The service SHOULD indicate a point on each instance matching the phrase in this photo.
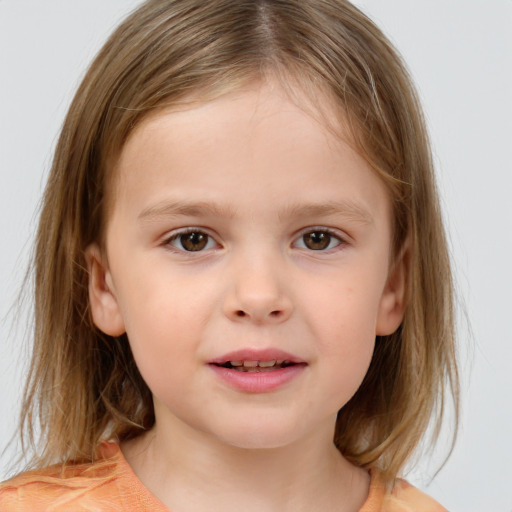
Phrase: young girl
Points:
(243, 293)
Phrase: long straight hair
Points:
(83, 386)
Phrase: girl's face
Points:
(242, 230)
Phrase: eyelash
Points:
(177, 238)
(333, 235)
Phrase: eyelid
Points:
(342, 237)
(176, 233)
(337, 234)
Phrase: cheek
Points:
(155, 296)
(343, 323)
(347, 309)
(162, 324)
(348, 360)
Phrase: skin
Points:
(265, 168)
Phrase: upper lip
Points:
(248, 354)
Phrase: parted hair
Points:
(83, 386)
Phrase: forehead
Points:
(251, 99)
(262, 137)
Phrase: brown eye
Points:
(318, 241)
(192, 241)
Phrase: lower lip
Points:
(258, 382)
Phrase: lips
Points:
(250, 358)
(257, 366)
(257, 371)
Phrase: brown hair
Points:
(83, 385)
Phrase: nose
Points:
(258, 293)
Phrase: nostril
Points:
(276, 313)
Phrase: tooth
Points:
(266, 364)
(236, 363)
(250, 364)
(279, 362)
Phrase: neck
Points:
(195, 472)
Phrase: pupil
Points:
(317, 240)
(194, 241)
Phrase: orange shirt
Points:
(110, 485)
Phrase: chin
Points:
(263, 436)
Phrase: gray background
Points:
(460, 54)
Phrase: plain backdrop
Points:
(460, 55)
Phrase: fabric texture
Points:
(110, 485)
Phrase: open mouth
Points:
(257, 371)
(256, 366)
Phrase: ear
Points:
(393, 301)
(105, 310)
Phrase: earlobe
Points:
(104, 307)
(393, 301)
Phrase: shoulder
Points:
(81, 487)
(402, 497)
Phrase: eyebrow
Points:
(177, 208)
(346, 208)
